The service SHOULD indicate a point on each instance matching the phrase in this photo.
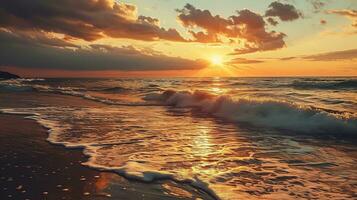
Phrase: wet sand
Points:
(34, 169)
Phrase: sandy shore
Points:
(34, 169)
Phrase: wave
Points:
(259, 113)
(14, 88)
(17, 85)
(20, 85)
(325, 84)
(119, 89)
(31, 79)
(267, 113)
(112, 89)
(239, 84)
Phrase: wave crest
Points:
(267, 113)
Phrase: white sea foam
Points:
(263, 113)
(143, 173)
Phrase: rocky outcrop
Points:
(7, 75)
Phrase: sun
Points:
(217, 60)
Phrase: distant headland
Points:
(7, 75)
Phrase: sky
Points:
(176, 38)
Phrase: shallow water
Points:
(235, 138)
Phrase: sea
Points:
(232, 138)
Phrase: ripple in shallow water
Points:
(218, 157)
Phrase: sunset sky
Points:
(107, 38)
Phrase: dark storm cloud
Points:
(246, 26)
(84, 19)
(29, 53)
(285, 12)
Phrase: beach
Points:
(34, 169)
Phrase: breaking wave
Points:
(260, 113)
(263, 113)
(17, 85)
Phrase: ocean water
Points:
(233, 138)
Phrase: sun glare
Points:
(217, 60)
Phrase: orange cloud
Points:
(85, 19)
(238, 61)
(247, 27)
(350, 54)
(352, 14)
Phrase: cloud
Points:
(246, 27)
(333, 56)
(285, 12)
(288, 58)
(272, 21)
(38, 38)
(350, 54)
(254, 32)
(85, 19)
(317, 4)
(352, 14)
(239, 61)
(345, 12)
(323, 22)
(30, 53)
(191, 17)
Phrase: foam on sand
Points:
(130, 170)
(140, 172)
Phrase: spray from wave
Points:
(268, 113)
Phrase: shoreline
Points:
(32, 168)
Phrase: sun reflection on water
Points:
(202, 146)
